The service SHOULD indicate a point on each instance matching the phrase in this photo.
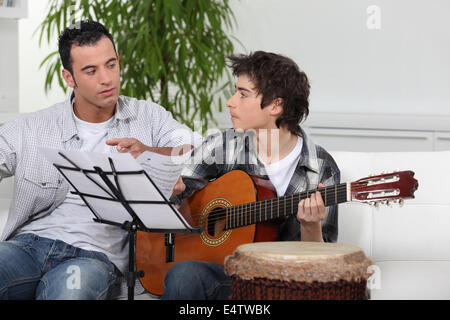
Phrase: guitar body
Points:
(213, 244)
(250, 217)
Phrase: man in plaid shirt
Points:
(50, 247)
(271, 100)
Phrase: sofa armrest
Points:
(6, 194)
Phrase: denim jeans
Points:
(32, 267)
(196, 280)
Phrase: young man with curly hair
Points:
(270, 102)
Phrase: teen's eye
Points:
(91, 72)
(242, 95)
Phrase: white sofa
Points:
(410, 246)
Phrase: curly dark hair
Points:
(276, 76)
(83, 33)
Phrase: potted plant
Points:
(171, 51)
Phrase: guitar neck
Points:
(260, 211)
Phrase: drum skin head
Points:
(299, 261)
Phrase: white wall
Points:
(402, 68)
(32, 96)
(9, 80)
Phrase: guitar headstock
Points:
(385, 188)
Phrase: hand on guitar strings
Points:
(311, 211)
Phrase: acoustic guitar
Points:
(238, 208)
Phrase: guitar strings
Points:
(340, 193)
(285, 203)
(238, 219)
(237, 211)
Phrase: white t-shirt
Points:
(93, 139)
(281, 172)
(93, 135)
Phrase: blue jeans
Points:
(33, 267)
(196, 280)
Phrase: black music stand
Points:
(111, 190)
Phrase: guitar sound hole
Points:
(215, 224)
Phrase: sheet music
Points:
(163, 171)
(81, 160)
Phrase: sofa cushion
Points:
(6, 194)
(406, 243)
(413, 280)
(4, 207)
(416, 232)
(6, 188)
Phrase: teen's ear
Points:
(277, 107)
(68, 78)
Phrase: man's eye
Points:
(242, 95)
(91, 72)
(111, 66)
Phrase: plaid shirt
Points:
(231, 150)
(38, 187)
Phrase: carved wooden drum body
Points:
(298, 270)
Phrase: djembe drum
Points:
(298, 270)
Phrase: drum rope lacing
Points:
(267, 289)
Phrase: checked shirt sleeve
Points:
(329, 176)
(201, 167)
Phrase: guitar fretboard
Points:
(255, 212)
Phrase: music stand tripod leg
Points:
(132, 274)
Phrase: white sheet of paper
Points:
(134, 187)
(80, 159)
(156, 216)
(164, 170)
(109, 210)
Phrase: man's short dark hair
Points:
(84, 33)
(276, 76)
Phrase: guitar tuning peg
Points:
(401, 202)
(377, 205)
(389, 204)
